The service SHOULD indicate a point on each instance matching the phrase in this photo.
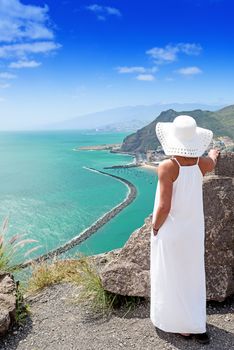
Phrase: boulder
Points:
(7, 301)
(218, 191)
(127, 272)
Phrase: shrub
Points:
(10, 248)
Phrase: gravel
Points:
(57, 323)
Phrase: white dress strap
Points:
(197, 160)
(176, 161)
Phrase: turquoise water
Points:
(50, 197)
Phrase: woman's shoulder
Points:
(166, 164)
(168, 167)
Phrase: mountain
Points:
(220, 122)
(122, 118)
(125, 126)
(226, 115)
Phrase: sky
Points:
(63, 58)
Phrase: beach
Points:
(150, 166)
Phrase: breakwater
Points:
(132, 193)
(131, 165)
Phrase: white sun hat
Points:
(183, 137)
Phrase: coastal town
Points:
(151, 158)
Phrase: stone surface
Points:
(58, 322)
(7, 301)
(219, 219)
(127, 272)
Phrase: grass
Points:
(46, 273)
(83, 273)
(79, 271)
(10, 248)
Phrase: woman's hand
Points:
(155, 230)
(214, 153)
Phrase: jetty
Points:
(132, 193)
(106, 146)
(131, 165)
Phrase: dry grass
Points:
(46, 273)
(83, 273)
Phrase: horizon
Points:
(51, 128)
(63, 60)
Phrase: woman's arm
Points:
(166, 185)
(209, 163)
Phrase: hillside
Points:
(220, 122)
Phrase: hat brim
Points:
(171, 145)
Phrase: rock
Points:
(7, 301)
(219, 245)
(127, 273)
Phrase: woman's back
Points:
(177, 257)
(187, 198)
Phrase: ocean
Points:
(50, 196)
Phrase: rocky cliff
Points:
(126, 271)
(7, 301)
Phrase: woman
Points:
(177, 268)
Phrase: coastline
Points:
(106, 146)
(150, 166)
(138, 161)
(131, 195)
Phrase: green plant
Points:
(22, 308)
(10, 248)
(92, 291)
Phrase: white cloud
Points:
(24, 64)
(19, 21)
(101, 18)
(169, 53)
(25, 30)
(22, 50)
(8, 76)
(189, 71)
(102, 12)
(134, 69)
(4, 86)
(145, 77)
(113, 11)
(190, 49)
(162, 55)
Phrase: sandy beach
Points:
(152, 167)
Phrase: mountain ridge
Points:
(221, 122)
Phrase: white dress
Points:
(177, 261)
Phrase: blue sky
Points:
(61, 58)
